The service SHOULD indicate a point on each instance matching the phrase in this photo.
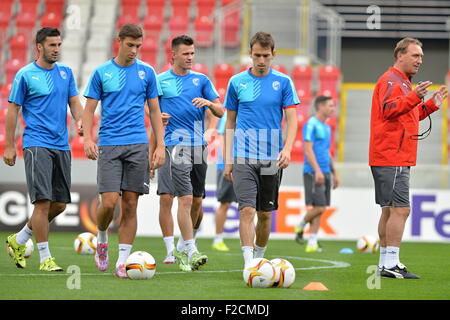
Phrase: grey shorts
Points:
(256, 184)
(391, 186)
(48, 174)
(225, 191)
(123, 168)
(318, 195)
(184, 171)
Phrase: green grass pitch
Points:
(344, 275)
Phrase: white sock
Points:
(102, 236)
(382, 257)
(44, 251)
(190, 247)
(124, 252)
(24, 235)
(392, 257)
(170, 244)
(218, 238)
(259, 251)
(302, 224)
(312, 240)
(180, 244)
(247, 253)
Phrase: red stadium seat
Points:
(205, 7)
(155, 7)
(2, 138)
(168, 50)
(115, 47)
(51, 19)
(230, 29)
(149, 50)
(178, 25)
(180, 7)
(19, 146)
(29, 6)
(304, 109)
(130, 7)
(245, 67)
(302, 76)
(227, 2)
(11, 68)
(166, 67)
(222, 74)
(329, 77)
(124, 19)
(77, 147)
(204, 30)
(222, 93)
(153, 25)
(56, 6)
(18, 46)
(25, 22)
(279, 68)
(200, 67)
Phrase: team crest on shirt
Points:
(196, 81)
(63, 74)
(276, 85)
(141, 74)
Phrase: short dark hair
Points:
(264, 39)
(45, 32)
(321, 100)
(130, 30)
(183, 39)
(402, 45)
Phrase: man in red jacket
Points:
(394, 126)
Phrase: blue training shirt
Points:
(44, 95)
(186, 124)
(123, 92)
(319, 133)
(259, 103)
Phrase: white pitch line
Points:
(334, 264)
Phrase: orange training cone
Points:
(315, 286)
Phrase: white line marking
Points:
(334, 264)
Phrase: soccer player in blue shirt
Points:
(187, 97)
(318, 170)
(123, 84)
(255, 101)
(43, 89)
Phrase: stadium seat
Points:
(128, 18)
(305, 106)
(204, 31)
(130, 7)
(329, 77)
(280, 68)
(205, 7)
(11, 68)
(18, 46)
(51, 19)
(200, 67)
(178, 25)
(30, 6)
(155, 7)
(222, 74)
(180, 7)
(77, 147)
(56, 6)
(245, 67)
(5, 18)
(19, 146)
(115, 47)
(166, 67)
(2, 138)
(168, 50)
(302, 76)
(153, 25)
(25, 22)
(149, 50)
(230, 29)
(222, 93)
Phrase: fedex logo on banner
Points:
(425, 209)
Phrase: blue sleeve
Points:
(18, 90)
(289, 94)
(153, 86)
(308, 131)
(73, 90)
(94, 87)
(209, 92)
(231, 98)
